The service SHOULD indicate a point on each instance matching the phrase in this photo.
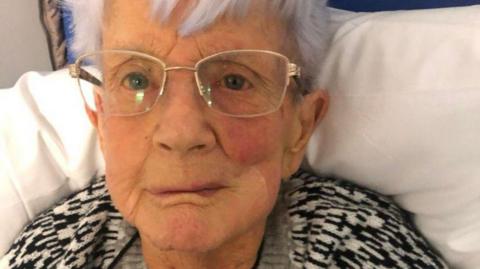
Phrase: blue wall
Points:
(382, 5)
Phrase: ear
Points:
(310, 112)
(93, 117)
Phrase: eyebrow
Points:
(139, 48)
(213, 47)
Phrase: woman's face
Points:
(187, 177)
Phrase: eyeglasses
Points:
(238, 83)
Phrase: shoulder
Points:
(67, 229)
(338, 223)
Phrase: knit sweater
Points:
(316, 223)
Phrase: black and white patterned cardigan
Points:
(317, 223)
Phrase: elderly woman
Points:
(202, 108)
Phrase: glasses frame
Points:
(79, 73)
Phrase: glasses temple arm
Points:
(302, 86)
(77, 72)
(294, 71)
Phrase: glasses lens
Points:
(125, 83)
(244, 82)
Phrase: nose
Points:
(182, 121)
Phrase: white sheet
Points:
(48, 148)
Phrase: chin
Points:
(183, 230)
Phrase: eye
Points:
(235, 82)
(136, 81)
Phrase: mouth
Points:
(205, 190)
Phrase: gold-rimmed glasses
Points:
(238, 83)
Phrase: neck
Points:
(238, 253)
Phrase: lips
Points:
(199, 189)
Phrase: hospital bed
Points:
(404, 119)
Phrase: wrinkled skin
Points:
(182, 144)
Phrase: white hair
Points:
(307, 20)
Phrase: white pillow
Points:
(48, 148)
(405, 119)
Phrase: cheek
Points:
(126, 146)
(250, 141)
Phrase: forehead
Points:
(133, 26)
